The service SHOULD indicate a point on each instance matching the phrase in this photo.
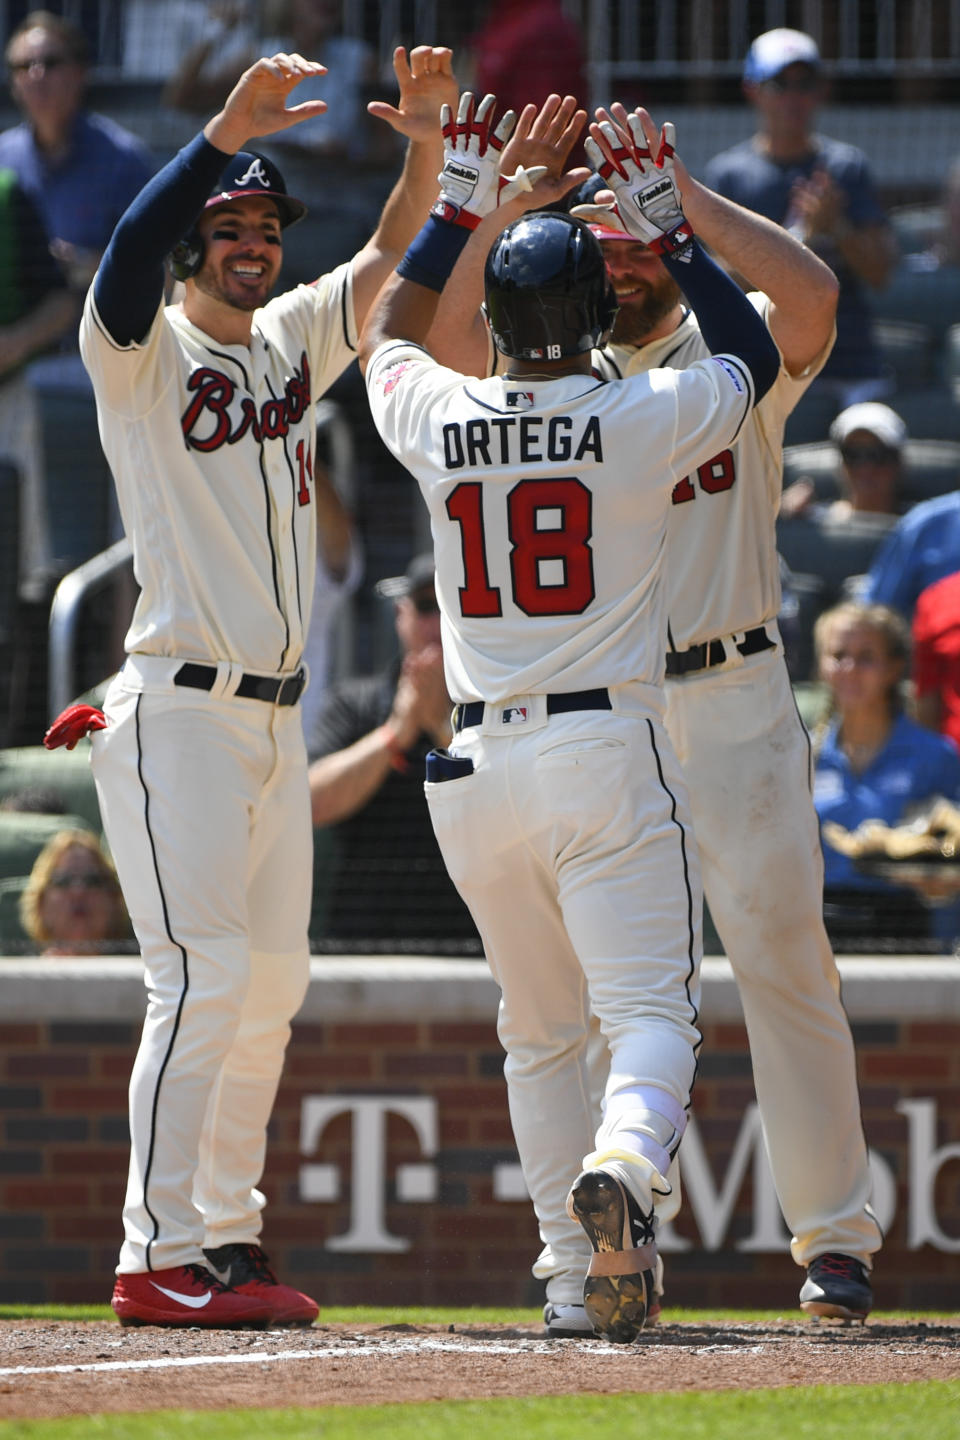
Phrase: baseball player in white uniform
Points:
(559, 807)
(735, 727)
(206, 417)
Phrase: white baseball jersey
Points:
(722, 572)
(212, 449)
(549, 537)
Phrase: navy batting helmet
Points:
(548, 294)
(247, 174)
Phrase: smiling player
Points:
(206, 416)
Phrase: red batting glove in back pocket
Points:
(72, 724)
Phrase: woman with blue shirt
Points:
(874, 763)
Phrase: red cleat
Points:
(185, 1295)
(246, 1270)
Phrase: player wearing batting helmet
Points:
(559, 805)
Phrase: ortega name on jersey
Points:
(521, 440)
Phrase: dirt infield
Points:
(49, 1368)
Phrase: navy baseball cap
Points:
(251, 174)
(775, 50)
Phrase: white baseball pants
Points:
(746, 758)
(206, 811)
(571, 845)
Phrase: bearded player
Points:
(734, 724)
(206, 416)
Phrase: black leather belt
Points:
(713, 652)
(251, 687)
(472, 712)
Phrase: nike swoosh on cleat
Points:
(194, 1302)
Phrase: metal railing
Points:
(65, 615)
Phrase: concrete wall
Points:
(392, 1175)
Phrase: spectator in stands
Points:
(870, 438)
(936, 657)
(36, 311)
(523, 53)
(210, 69)
(81, 169)
(367, 754)
(822, 191)
(872, 762)
(923, 547)
(72, 903)
(157, 37)
(339, 572)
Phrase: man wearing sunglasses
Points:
(81, 169)
(367, 748)
(818, 188)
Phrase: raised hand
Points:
(639, 168)
(544, 138)
(257, 104)
(427, 83)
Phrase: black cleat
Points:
(837, 1287)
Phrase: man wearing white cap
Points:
(870, 437)
(818, 188)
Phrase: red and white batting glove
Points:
(471, 185)
(648, 202)
(72, 724)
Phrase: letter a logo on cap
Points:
(254, 171)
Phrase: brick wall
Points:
(391, 1172)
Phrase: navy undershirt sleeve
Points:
(728, 322)
(129, 283)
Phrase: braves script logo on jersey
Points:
(214, 394)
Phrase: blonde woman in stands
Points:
(72, 903)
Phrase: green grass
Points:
(820, 1412)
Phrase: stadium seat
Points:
(931, 467)
(832, 550)
(22, 837)
(920, 297)
(66, 772)
(909, 351)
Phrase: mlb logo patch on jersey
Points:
(519, 399)
(515, 715)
